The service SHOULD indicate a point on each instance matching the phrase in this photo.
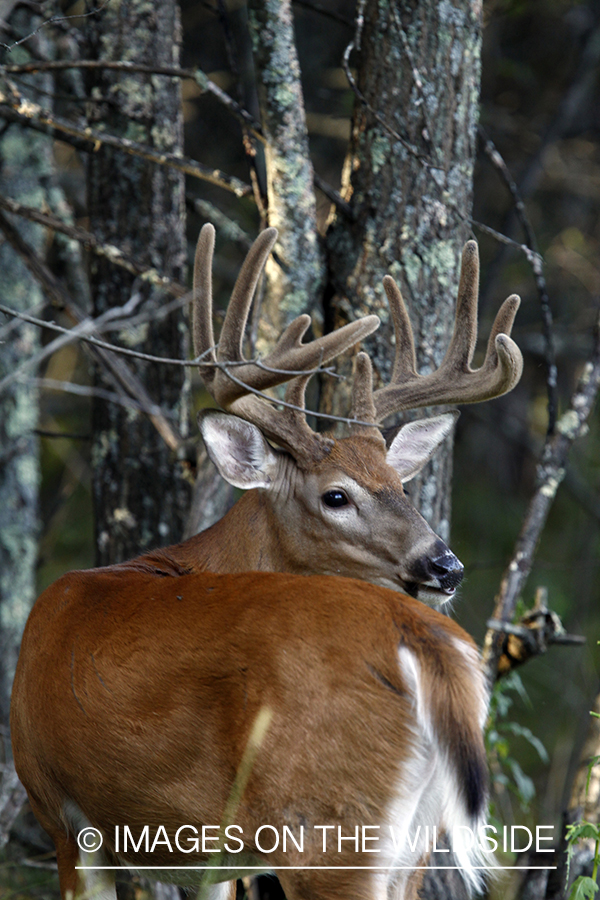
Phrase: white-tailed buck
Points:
(323, 506)
(134, 705)
(139, 685)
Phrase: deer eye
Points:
(335, 499)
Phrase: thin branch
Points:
(276, 402)
(223, 224)
(536, 262)
(117, 368)
(426, 163)
(95, 342)
(551, 471)
(82, 390)
(26, 111)
(335, 197)
(196, 75)
(108, 251)
(428, 131)
(52, 21)
(80, 330)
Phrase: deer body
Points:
(151, 688)
(138, 685)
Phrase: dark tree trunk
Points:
(140, 496)
(409, 180)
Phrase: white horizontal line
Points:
(267, 869)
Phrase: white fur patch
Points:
(426, 795)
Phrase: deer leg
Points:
(77, 884)
(333, 885)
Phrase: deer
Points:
(316, 504)
(139, 685)
(202, 727)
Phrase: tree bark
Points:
(295, 279)
(409, 179)
(139, 493)
(26, 175)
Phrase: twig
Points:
(197, 75)
(82, 390)
(116, 366)
(277, 402)
(335, 197)
(398, 137)
(27, 111)
(536, 262)
(51, 21)
(109, 251)
(551, 470)
(95, 342)
(84, 327)
(428, 131)
(80, 335)
(226, 226)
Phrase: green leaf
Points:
(583, 888)
(579, 831)
(523, 731)
(525, 788)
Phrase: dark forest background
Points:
(540, 105)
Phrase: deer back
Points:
(136, 696)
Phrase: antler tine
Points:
(234, 324)
(405, 362)
(455, 381)
(202, 327)
(464, 336)
(235, 387)
(291, 354)
(363, 406)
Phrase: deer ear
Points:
(416, 442)
(238, 450)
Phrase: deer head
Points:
(322, 505)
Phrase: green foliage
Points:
(506, 771)
(584, 888)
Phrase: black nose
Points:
(447, 569)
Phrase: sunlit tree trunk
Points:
(409, 181)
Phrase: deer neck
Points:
(243, 540)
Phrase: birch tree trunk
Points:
(139, 494)
(409, 180)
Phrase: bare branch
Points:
(26, 112)
(117, 367)
(51, 21)
(197, 75)
(83, 390)
(551, 471)
(536, 262)
(109, 251)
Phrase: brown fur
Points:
(135, 696)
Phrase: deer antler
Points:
(234, 381)
(455, 381)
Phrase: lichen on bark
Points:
(410, 187)
(295, 282)
(139, 494)
(25, 171)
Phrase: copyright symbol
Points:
(89, 840)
